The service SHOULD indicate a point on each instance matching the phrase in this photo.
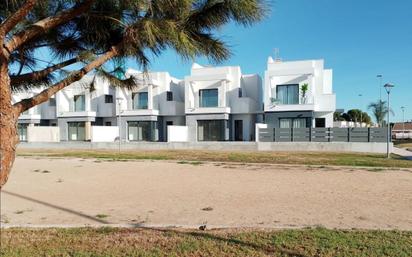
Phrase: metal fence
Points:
(323, 135)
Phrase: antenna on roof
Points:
(277, 55)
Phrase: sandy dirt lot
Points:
(77, 192)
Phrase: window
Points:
(140, 100)
(52, 102)
(169, 96)
(108, 99)
(320, 123)
(240, 93)
(208, 97)
(211, 130)
(79, 103)
(287, 94)
(22, 131)
(108, 123)
(293, 123)
(77, 131)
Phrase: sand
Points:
(77, 192)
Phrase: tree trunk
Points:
(8, 125)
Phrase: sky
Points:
(358, 39)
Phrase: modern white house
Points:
(146, 110)
(91, 101)
(298, 94)
(221, 104)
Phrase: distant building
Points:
(402, 130)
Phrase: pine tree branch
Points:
(46, 24)
(16, 17)
(43, 96)
(16, 80)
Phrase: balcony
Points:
(305, 104)
(206, 110)
(71, 114)
(139, 112)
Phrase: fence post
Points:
(291, 134)
(310, 134)
(369, 134)
(329, 135)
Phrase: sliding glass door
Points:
(211, 130)
(77, 131)
(142, 130)
(288, 94)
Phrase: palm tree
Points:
(379, 110)
(81, 36)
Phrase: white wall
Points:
(177, 134)
(43, 134)
(104, 133)
(258, 127)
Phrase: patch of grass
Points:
(102, 216)
(376, 170)
(162, 242)
(197, 157)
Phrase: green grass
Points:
(197, 157)
(153, 242)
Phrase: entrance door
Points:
(238, 130)
(168, 123)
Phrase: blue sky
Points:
(358, 39)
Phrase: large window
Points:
(141, 130)
(293, 123)
(287, 94)
(79, 103)
(22, 131)
(208, 97)
(211, 130)
(77, 131)
(140, 100)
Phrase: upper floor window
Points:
(140, 100)
(108, 99)
(169, 96)
(79, 103)
(208, 97)
(240, 93)
(287, 94)
(52, 102)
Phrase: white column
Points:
(150, 97)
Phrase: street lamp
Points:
(403, 121)
(361, 120)
(379, 76)
(388, 87)
(119, 104)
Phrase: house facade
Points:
(221, 104)
(210, 104)
(298, 94)
(88, 102)
(146, 110)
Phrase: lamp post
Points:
(403, 121)
(119, 104)
(361, 118)
(388, 87)
(379, 76)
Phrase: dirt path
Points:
(76, 192)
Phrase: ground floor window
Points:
(293, 123)
(320, 122)
(77, 131)
(211, 130)
(142, 130)
(22, 131)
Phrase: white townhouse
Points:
(86, 103)
(147, 109)
(40, 115)
(298, 94)
(221, 104)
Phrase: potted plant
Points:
(304, 88)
